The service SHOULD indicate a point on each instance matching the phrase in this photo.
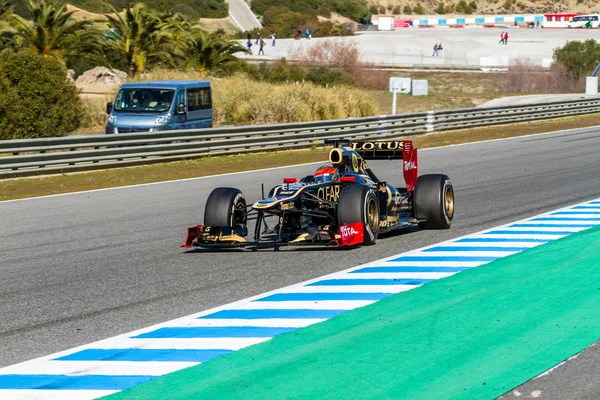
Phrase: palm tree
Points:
(211, 52)
(143, 36)
(54, 33)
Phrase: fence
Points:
(28, 157)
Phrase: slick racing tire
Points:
(434, 201)
(358, 203)
(225, 207)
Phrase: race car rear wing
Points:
(387, 150)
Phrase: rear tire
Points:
(225, 207)
(433, 201)
(358, 203)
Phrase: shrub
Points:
(578, 57)
(35, 98)
(324, 76)
(407, 10)
(524, 76)
(419, 9)
(397, 10)
(441, 8)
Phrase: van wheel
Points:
(225, 207)
(358, 203)
(433, 201)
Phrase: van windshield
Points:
(144, 100)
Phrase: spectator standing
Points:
(249, 46)
(435, 50)
(273, 38)
(440, 49)
(307, 34)
(298, 34)
(501, 37)
(505, 37)
(249, 36)
(262, 47)
(257, 37)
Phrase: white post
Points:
(394, 101)
(591, 85)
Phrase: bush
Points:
(35, 98)
(524, 77)
(397, 10)
(324, 76)
(577, 57)
(407, 10)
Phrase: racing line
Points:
(127, 360)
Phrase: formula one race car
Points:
(343, 204)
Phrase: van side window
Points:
(180, 98)
(198, 99)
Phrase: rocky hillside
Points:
(430, 7)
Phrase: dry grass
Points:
(39, 186)
(240, 101)
(524, 78)
(496, 6)
(447, 90)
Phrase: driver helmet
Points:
(326, 174)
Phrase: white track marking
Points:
(29, 394)
(102, 368)
(273, 323)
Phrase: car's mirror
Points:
(109, 107)
(180, 109)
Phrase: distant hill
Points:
(432, 7)
(192, 8)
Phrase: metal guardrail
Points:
(28, 157)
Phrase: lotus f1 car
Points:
(342, 204)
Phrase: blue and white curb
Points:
(127, 360)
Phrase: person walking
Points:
(249, 36)
(249, 46)
(440, 49)
(262, 47)
(307, 34)
(501, 38)
(257, 37)
(273, 38)
(505, 37)
(435, 50)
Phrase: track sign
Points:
(400, 85)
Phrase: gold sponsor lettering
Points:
(286, 206)
(330, 193)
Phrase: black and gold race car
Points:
(343, 204)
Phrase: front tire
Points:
(225, 207)
(433, 201)
(358, 203)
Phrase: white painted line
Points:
(272, 322)
(30, 394)
(78, 368)
(306, 305)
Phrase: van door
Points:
(179, 120)
(199, 108)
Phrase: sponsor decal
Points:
(391, 145)
(352, 234)
(286, 206)
(355, 162)
(409, 165)
(330, 193)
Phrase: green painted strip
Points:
(476, 334)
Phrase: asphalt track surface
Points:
(83, 267)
